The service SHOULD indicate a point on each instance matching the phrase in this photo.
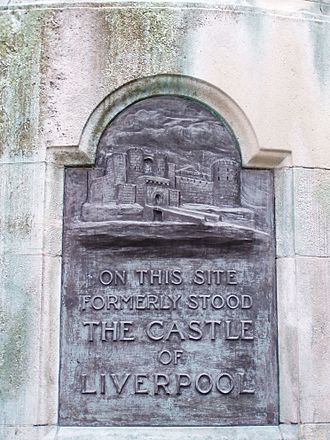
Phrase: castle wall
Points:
(160, 165)
(135, 165)
(194, 190)
(171, 174)
(126, 193)
(174, 197)
(141, 190)
(119, 167)
(94, 176)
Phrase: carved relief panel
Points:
(168, 298)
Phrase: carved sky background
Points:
(189, 134)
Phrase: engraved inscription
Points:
(158, 383)
(168, 310)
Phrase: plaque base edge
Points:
(281, 432)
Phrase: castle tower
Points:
(160, 165)
(115, 174)
(119, 167)
(134, 164)
(226, 182)
(171, 174)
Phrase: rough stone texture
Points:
(21, 218)
(313, 303)
(312, 212)
(288, 340)
(49, 340)
(303, 310)
(284, 212)
(20, 338)
(284, 432)
(20, 51)
(312, 432)
(29, 303)
(53, 210)
(289, 432)
(165, 433)
(25, 432)
(303, 212)
(275, 53)
(57, 64)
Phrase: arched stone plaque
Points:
(168, 300)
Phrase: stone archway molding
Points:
(253, 155)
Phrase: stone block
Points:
(313, 304)
(312, 212)
(289, 432)
(315, 432)
(288, 340)
(20, 286)
(29, 331)
(170, 433)
(24, 432)
(22, 208)
(302, 212)
(49, 341)
(53, 211)
(284, 212)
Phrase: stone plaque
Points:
(168, 300)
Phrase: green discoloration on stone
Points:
(20, 225)
(19, 281)
(13, 358)
(322, 196)
(20, 46)
(320, 35)
(255, 25)
(141, 41)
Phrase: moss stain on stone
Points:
(17, 307)
(255, 23)
(13, 356)
(320, 36)
(143, 41)
(322, 196)
(20, 225)
(20, 46)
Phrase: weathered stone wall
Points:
(265, 66)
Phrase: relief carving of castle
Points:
(137, 186)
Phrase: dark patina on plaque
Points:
(168, 298)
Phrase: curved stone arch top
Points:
(171, 85)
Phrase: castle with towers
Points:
(139, 186)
